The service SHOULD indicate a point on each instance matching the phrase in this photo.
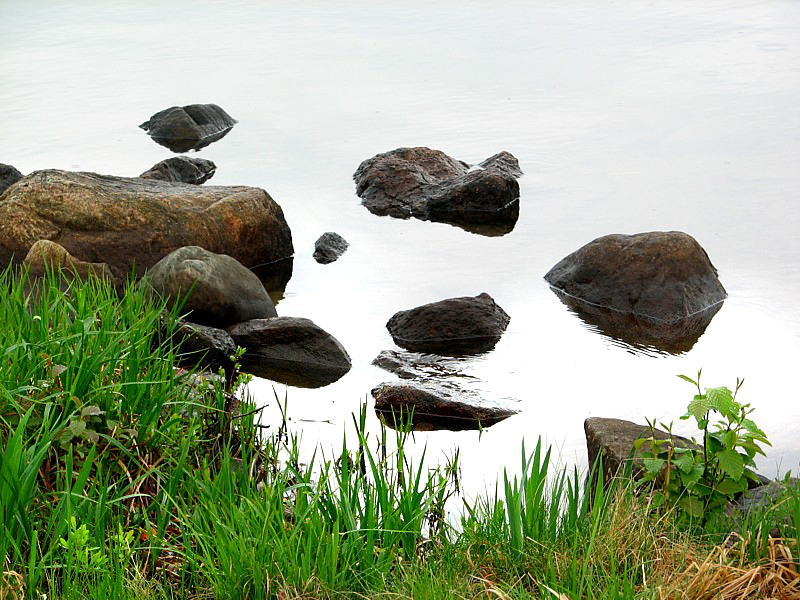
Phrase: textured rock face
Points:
(8, 176)
(290, 350)
(121, 221)
(429, 185)
(221, 291)
(191, 127)
(434, 405)
(182, 169)
(44, 254)
(466, 325)
(207, 347)
(329, 247)
(660, 276)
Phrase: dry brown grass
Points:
(12, 586)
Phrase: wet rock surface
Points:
(183, 169)
(413, 365)
(290, 350)
(121, 221)
(8, 176)
(191, 127)
(207, 347)
(435, 405)
(429, 185)
(466, 325)
(658, 276)
(218, 289)
(329, 247)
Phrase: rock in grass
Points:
(45, 255)
(182, 169)
(218, 289)
(207, 347)
(466, 325)
(660, 276)
(191, 127)
(8, 176)
(329, 247)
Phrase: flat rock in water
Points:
(125, 220)
(8, 176)
(659, 276)
(290, 350)
(329, 247)
(191, 127)
(414, 365)
(466, 325)
(430, 405)
(429, 185)
(182, 169)
(215, 289)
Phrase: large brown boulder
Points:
(121, 221)
(429, 185)
(466, 325)
(191, 127)
(660, 276)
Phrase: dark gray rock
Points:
(466, 325)
(413, 365)
(429, 185)
(434, 405)
(329, 247)
(207, 347)
(8, 176)
(182, 169)
(290, 350)
(221, 291)
(658, 276)
(766, 500)
(191, 127)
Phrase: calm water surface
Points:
(625, 117)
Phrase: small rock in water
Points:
(329, 247)
(8, 176)
(191, 127)
(182, 169)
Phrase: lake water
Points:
(625, 117)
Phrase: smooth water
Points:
(626, 117)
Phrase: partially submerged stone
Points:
(329, 247)
(466, 325)
(206, 347)
(659, 276)
(183, 169)
(429, 405)
(191, 127)
(429, 185)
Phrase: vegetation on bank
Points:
(122, 476)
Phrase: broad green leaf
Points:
(91, 411)
(691, 478)
(91, 436)
(731, 487)
(730, 440)
(638, 443)
(77, 428)
(684, 463)
(721, 399)
(731, 463)
(659, 499)
(752, 427)
(699, 406)
(691, 506)
(653, 465)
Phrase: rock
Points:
(221, 291)
(411, 365)
(760, 499)
(435, 405)
(290, 350)
(464, 325)
(642, 335)
(329, 247)
(45, 254)
(121, 221)
(182, 169)
(191, 127)
(658, 276)
(8, 177)
(207, 347)
(429, 185)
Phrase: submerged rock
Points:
(427, 406)
(465, 325)
(182, 169)
(413, 365)
(218, 290)
(329, 247)
(191, 127)
(658, 276)
(290, 350)
(429, 185)
(121, 221)
(8, 177)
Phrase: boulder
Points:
(466, 325)
(218, 290)
(412, 365)
(290, 350)
(763, 498)
(8, 176)
(191, 127)
(429, 185)
(329, 247)
(45, 254)
(658, 276)
(121, 221)
(209, 348)
(182, 169)
(430, 405)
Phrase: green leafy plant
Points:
(699, 478)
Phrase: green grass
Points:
(118, 480)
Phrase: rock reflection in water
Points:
(180, 146)
(275, 276)
(641, 335)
